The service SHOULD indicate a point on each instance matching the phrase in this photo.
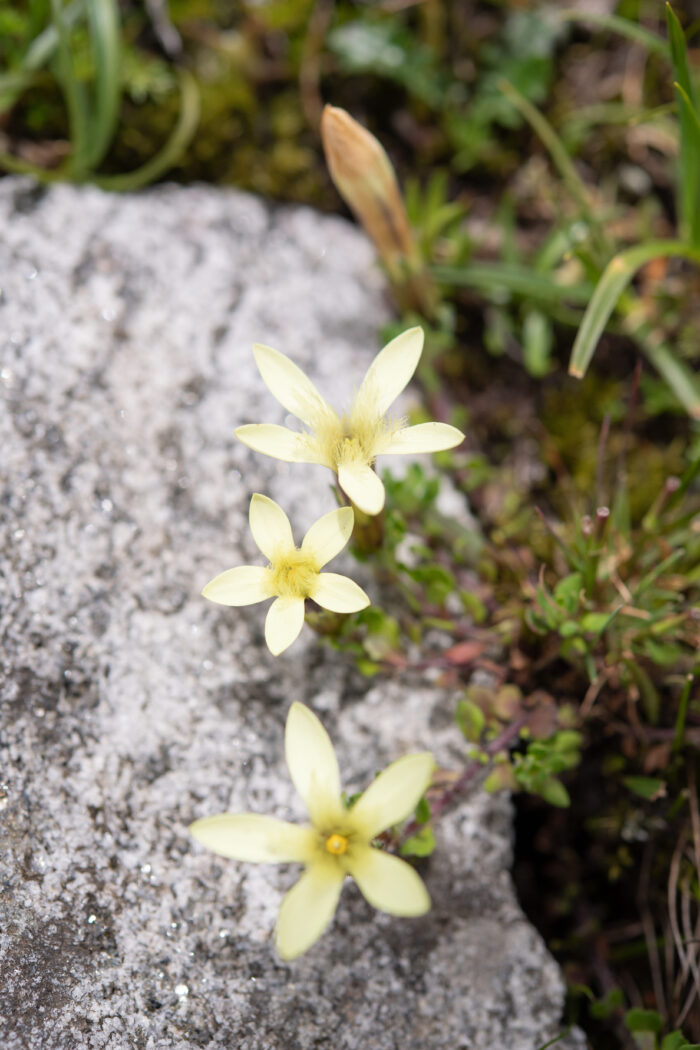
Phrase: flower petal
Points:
(362, 485)
(289, 385)
(389, 373)
(339, 593)
(387, 882)
(312, 765)
(276, 441)
(283, 623)
(308, 908)
(329, 534)
(270, 526)
(244, 585)
(393, 794)
(252, 837)
(424, 437)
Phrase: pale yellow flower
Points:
(293, 574)
(338, 842)
(348, 444)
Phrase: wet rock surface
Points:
(130, 706)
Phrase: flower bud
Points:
(365, 179)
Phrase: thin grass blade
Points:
(510, 277)
(616, 277)
(679, 54)
(689, 174)
(561, 159)
(17, 166)
(173, 148)
(675, 373)
(105, 40)
(44, 45)
(74, 94)
(638, 34)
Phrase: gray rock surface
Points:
(130, 705)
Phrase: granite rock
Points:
(130, 706)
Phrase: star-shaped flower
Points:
(338, 842)
(293, 574)
(348, 444)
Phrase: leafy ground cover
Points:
(550, 164)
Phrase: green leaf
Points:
(613, 1000)
(538, 339)
(679, 54)
(651, 700)
(423, 811)
(470, 719)
(594, 623)
(553, 1042)
(473, 605)
(554, 792)
(677, 1041)
(649, 788)
(679, 731)
(74, 93)
(106, 44)
(437, 580)
(689, 166)
(567, 740)
(568, 590)
(421, 844)
(616, 276)
(643, 1021)
(499, 278)
(672, 370)
(569, 629)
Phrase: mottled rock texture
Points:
(130, 706)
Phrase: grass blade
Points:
(41, 49)
(74, 94)
(44, 45)
(616, 276)
(679, 54)
(519, 280)
(17, 166)
(676, 374)
(638, 34)
(681, 716)
(560, 157)
(105, 40)
(173, 148)
(689, 178)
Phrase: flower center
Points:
(294, 574)
(336, 844)
(353, 438)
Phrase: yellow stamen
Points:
(294, 575)
(336, 844)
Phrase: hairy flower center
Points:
(294, 574)
(353, 438)
(336, 844)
